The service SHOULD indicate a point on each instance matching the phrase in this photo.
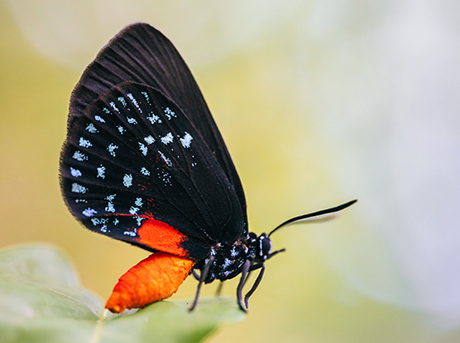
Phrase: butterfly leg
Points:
(195, 275)
(204, 274)
(254, 286)
(239, 290)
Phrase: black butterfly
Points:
(144, 163)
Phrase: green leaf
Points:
(41, 300)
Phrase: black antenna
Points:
(315, 214)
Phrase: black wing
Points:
(142, 54)
(133, 155)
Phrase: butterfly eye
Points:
(265, 246)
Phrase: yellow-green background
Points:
(319, 102)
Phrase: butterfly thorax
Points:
(228, 259)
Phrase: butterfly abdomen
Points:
(153, 279)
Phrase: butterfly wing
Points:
(140, 53)
(135, 168)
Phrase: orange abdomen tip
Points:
(153, 279)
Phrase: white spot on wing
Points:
(111, 149)
(167, 160)
(75, 172)
(169, 113)
(153, 118)
(101, 171)
(122, 101)
(132, 121)
(77, 188)
(139, 220)
(143, 148)
(115, 108)
(121, 129)
(128, 180)
(84, 143)
(79, 156)
(91, 128)
(165, 177)
(138, 202)
(99, 119)
(146, 96)
(110, 207)
(145, 172)
(167, 139)
(149, 140)
(89, 212)
(134, 101)
(186, 140)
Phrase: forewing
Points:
(142, 54)
(133, 156)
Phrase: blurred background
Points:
(319, 102)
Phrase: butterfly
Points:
(143, 162)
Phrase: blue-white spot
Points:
(186, 140)
(79, 156)
(131, 121)
(101, 171)
(165, 177)
(167, 139)
(227, 263)
(106, 110)
(139, 220)
(99, 221)
(110, 207)
(122, 101)
(115, 221)
(169, 113)
(128, 180)
(115, 108)
(121, 129)
(143, 148)
(84, 143)
(77, 188)
(133, 210)
(110, 197)
(111, 149)
(89, 212)
(75, 172)
(91, 128)
(134, 101)
(149, 140)
(129, 233)
(77, 201)
(145, 171)
(153, 118)
(146, 96)
(167, 160)
(138, 202)
(99, 119)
